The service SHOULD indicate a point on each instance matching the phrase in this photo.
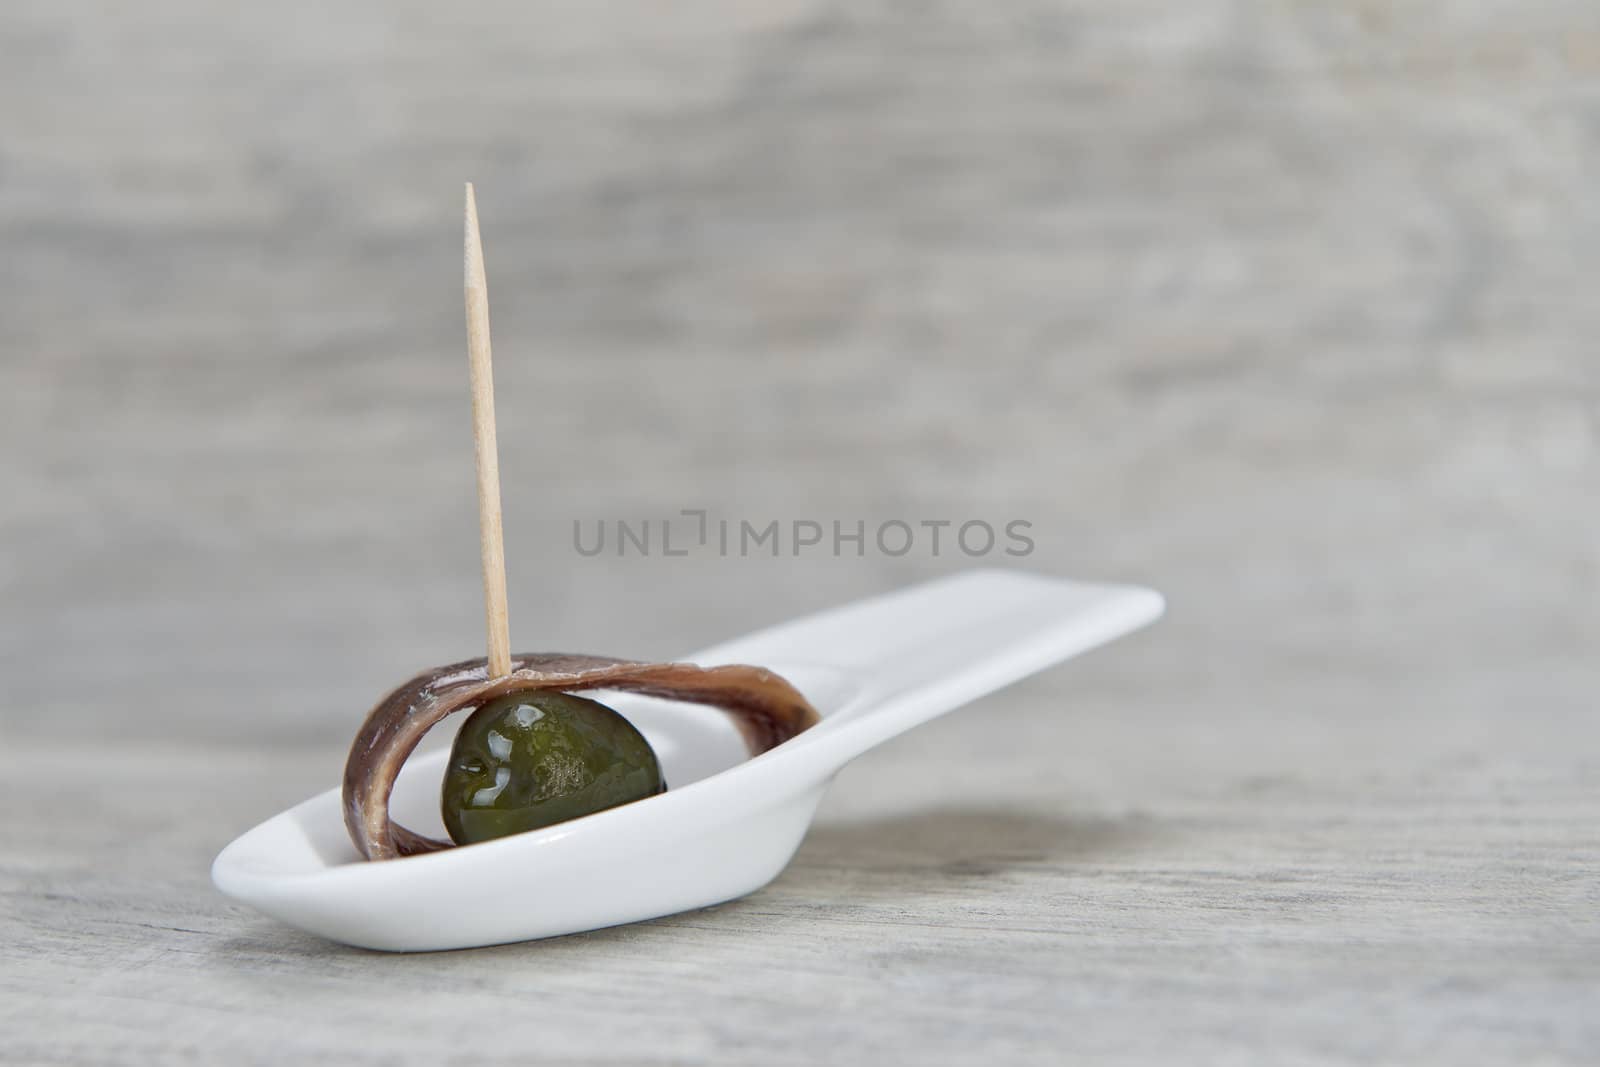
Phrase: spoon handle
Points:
(923, 651)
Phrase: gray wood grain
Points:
(1286, 309)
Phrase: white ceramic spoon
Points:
(728, 824)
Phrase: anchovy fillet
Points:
(766, 708)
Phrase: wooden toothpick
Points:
(491, 540)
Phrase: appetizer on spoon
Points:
(544, 783)
(532, 754)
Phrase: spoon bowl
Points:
(728, 823)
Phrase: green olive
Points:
(531, 760)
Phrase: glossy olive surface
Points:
(531, 760)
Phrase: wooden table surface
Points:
(1286, 309)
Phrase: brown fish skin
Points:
(766, 708)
